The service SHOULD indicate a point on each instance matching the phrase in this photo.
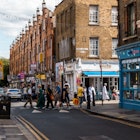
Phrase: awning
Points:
(98, 73)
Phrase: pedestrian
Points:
(41, 98)
(65, 97)
(105, 93)
(29, 96)
(57, 94)
(80, 94)
(92, 93)
(49, 94)
(25, 92)
(34, 95)
(85, 94)
(68, 88)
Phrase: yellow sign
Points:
(41, 57)
(1, 70)
(41, 76)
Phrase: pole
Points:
(101, 79)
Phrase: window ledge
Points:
(93, 56)
(93, 24)
(114, 56)
(129, 37)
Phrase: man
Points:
(29, 96)
(92, 93)
(57, 94)
(65, 97)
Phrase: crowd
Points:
(46, 98)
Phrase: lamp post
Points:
(101, 79)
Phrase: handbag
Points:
(52, 97)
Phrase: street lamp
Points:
(101, 78)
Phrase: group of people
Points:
(54, 98)
(57, 97)
(89, 96)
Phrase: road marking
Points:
(39, 135)
(36, 111)
(64, 111)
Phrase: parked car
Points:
(2, 93)
(14, 93)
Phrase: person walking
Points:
(92, 93)
(105, 93)
(65, 97)
(29, 96)
(80, 94)
(49, 94)
(41, 98)
(57, 94)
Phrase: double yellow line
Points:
(38, 135)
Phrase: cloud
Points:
(14, 15)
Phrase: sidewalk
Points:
(111, 109)
(11, 129)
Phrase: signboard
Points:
(1, 70)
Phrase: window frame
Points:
(93, 14)
(94, 48)
(114, 15)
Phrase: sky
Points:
(14, 16)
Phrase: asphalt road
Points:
(75, 124)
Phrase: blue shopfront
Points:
(129, 63)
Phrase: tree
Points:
(5, 61)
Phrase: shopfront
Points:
(129, 59)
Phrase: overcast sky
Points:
(14, 15)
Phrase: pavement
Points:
(12, 129)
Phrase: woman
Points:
(41, 98)
(80, 94)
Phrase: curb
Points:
(112, 117)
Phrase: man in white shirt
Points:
(29, 96)
(92, 93)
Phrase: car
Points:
(14, 93)
(2, 93)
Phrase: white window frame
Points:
(114, 46)
(93, 47)
(114, 16)
(93, 14)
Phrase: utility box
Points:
(5, 107)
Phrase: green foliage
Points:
(5, 61)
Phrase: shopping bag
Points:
(52, 97)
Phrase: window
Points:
(130, 22)
(93, 46)
(114, 46)
(93, 14)
(114, 16)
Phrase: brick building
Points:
(129, 53)
(32, 52)
(86, 37)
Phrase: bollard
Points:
(88, 101)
